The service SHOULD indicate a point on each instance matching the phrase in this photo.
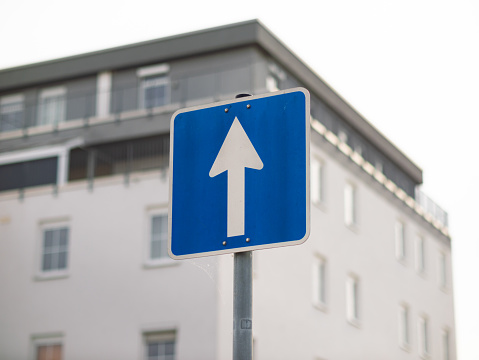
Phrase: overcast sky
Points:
(410, 67)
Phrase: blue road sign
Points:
(239, 175)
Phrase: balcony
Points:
(429, 207)
(72, 106)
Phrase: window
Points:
(155, 253)
(349, 205)
(272, 83)
(400, 241)
(352, 300)
(11, 113)
(420, 255)
(154, 91)
(358, 149)
(51, 109)
(160, 346)
(379, 166)
(316, 181)
(319, 282)
(54, 249)
(404, 327)
(423, 337)
(49, 352)
(20, 175)
(446, 353)
(274, 78)
(442, 275)
(343, 136)
(154, 88)
(159, 236)
(48, 347)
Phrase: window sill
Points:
(321, 205)
(54, 275)
(320, 306)
(355, 323)
(421, 274)
(154, 264)
(353, 227)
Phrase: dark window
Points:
(28, 173)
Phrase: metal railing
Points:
(122, 157)
(184, 89)
(431, 208)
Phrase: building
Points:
(84, 272)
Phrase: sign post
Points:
(243, 306)
(239, 181)
(243, 281)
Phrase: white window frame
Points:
(404, 328)
(350, 204)
(46, 340)
(317, 181)
(58, 91)
(103, 93)
(272, 83)
(52, 224)
(160, 336)
(14, 99)
(420, 254)
(319, 282)
(343, 136)
(400, 241)
(424, 345)
(445, 344)
(144, 73)
(149, 262)
(353, 300)
(442, 277)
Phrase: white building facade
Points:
(84, 272)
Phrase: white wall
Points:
(288, 326)
(108, 298)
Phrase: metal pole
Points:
(243, 306)
(243, 301)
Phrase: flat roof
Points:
(248, 33)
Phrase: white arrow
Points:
(236, 154)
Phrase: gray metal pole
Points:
(243, 306)
(243, 301)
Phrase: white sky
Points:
(410, 67)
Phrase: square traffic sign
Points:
(239, 175)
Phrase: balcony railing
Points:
(19, 116)
(119, 158)
(431, 208)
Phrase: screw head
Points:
(226, 110)
(248, 239)
(224, 243)
(248, 106)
